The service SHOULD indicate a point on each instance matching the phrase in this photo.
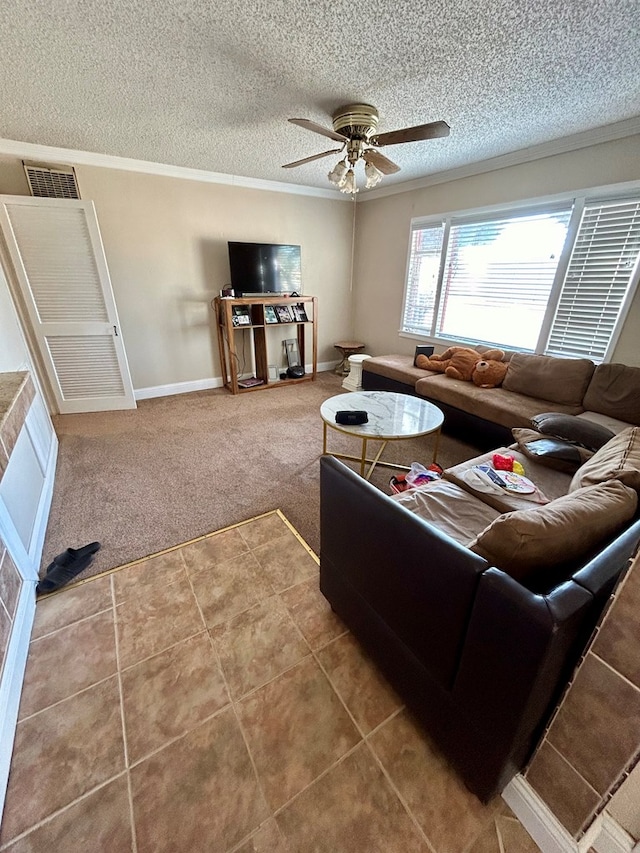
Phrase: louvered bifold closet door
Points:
(60, 266)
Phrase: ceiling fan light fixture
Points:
(349, 183)
(373, 175)
(355, 126)
(338, 173)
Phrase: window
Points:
(553, 279)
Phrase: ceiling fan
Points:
(355, 125)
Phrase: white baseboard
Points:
(604, 835)
(11, 684)
(611, 837)
(176, 388)
(201, 384)
(42, 516)
(537, 818)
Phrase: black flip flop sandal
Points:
(60, 575)
(72, 554)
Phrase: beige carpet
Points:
(178, 467)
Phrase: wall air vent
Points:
(51, 181)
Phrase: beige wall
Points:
(166, 245)
(383, 232)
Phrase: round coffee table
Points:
(392, 417)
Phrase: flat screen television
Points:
(258, 268)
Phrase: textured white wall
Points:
(383, 232)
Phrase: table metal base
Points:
(364, 461)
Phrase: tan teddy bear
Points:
(489, 373)
(457, 362)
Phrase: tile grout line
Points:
(134, 842)
(312, 653)
(156, 750)
(337, 693)
(138, 761)
(231, 703)
(70, 624)
(499, 836)
(401, 799)
(187, 574)
(170, 549)
(125, 599)
(70, 696)
(235, 702)
(320, 776)
(50, 817)
(113, 674)
(307, 548)
(615, 671)
(566, 761)
(363, 737)
(162, 651)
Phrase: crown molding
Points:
(71, 157)
(563, 145)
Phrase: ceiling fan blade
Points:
(309, 159)
(386, 166)
(318, 128)
(433, 130)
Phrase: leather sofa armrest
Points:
(520, 649)
(376, 555)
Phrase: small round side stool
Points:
(346, 348)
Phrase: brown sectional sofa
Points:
(608, 393)
(478, 605)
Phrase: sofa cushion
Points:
(551, 483)
(576, 430)
(530, 542)
(397, 367)
(614, 390)
(561, 380)
(498, 405)
(550, 451)
(449, 508)
(619, 459)
(607, 421)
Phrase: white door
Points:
(56, 250)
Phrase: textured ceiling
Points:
(210, 85)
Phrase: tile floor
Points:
(207, 699)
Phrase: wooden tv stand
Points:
(247, 314)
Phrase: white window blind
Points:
(498, 276)
(422, 278)
(600, 272)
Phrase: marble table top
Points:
(391, 415)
